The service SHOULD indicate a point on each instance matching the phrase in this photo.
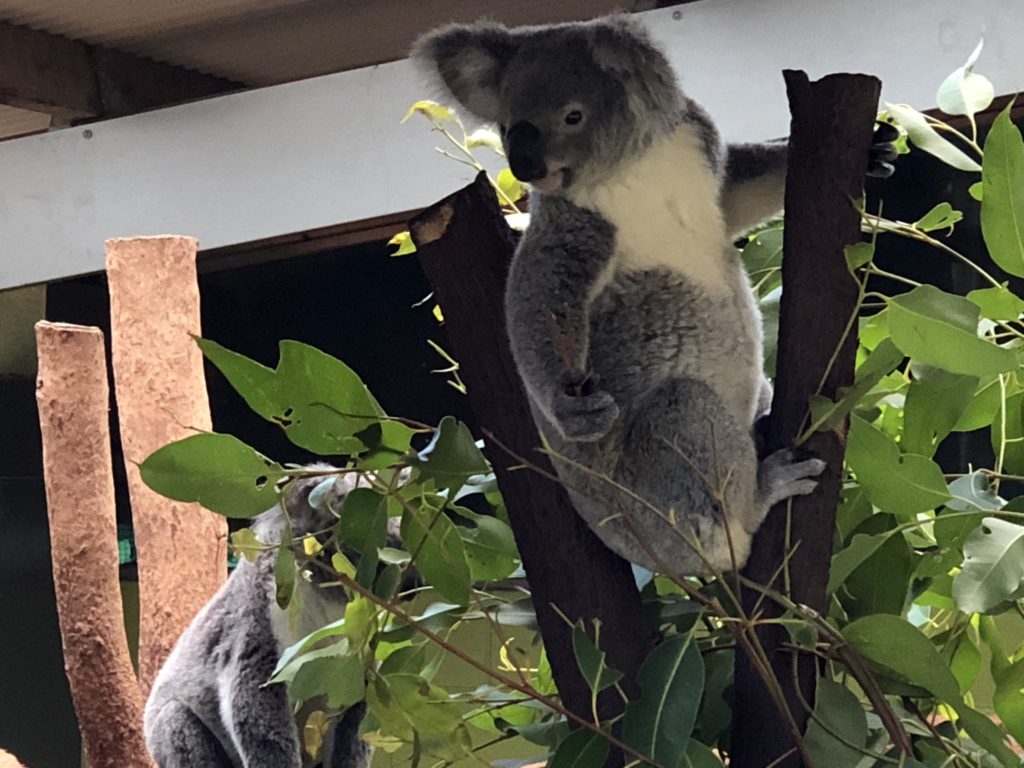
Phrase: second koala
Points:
(631, 319)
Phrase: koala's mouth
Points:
(555, 180)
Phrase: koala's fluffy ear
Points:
(470, 60)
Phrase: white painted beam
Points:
(330, 150)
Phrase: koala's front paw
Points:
(883, 151)
(582, 413)
(782, 475)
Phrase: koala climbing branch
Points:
(465, 248)
(832, 121)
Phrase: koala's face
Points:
(571, 101)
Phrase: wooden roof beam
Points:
(72, 80)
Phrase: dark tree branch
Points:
(465, 248)
(832, 122)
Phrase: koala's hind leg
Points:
(185, 742)
(781, 476)
(691, 469)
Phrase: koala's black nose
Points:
(525, 153)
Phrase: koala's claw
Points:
(585, 418)
(883, 151)
(781, 476)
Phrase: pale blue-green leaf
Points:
(219, 471)
(1002, 206)
(928, 139)
(993, 568)
(964, 92)
(671, 680)
(836, 711)
(941, 329)
(973, 491)
(904, 485)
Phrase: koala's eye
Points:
(574, 117)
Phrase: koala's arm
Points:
(560, 266)
(755, 181)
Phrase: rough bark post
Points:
(74, 404)
(465, 248)
(832, 125)
(161, 397)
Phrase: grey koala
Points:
(631, 320)
(209, 707)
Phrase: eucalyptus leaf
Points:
(1002, 205)
(993, 567)
(997, 303)
(836, 711)
(438, 552)
(671, 680)
(592, 661)
(973, 491)
(697, 755)
(936, 399)
(904, 485)
(928, 139)
(941, 329)
(284, 569)
(490, 546)
(1008, 433)
(965, 92)
(1008, 699)
(451, 457)
(846, 561)
(942, 216)
(219, 471)
(580, 749)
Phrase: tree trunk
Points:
(74, 403)
(161, 397)
(830, 138)
(465, 248)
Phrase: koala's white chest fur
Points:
(665, 209)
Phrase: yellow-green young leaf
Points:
(977, 190)
(313, 732)
(904, 485)
(437, 313)
(941, 329)
(942, 216)
(1009, 699)
(997, 303)
(928, 139)
(404, 242)
(311, 546)
(343, 565)
(431, 110)
(484, 137)
(510, 186)
(1002, 206)
(245, 544)
(219, 471)
(965, 92)
(993, 567)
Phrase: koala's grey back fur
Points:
(630, 317)
(208, 706)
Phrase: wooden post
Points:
(161, 397)
(831, 132)
(465, 248)
(74, 406)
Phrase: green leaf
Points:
(881, 582)
(903, 485)
(330, 672)
(941, 329)
(859, 254)
(966, 662)
(671, 679)
(986, 734)
(451, 457)
(409, 707)
(997, 303)
(1002, 206)
(490, 546)
(983, 407)
(245, 544)
(977, 190)
(219, 471)
(928, 139)
(1011, 422)
(904, 652)
(318, 400)
(591, 660)
(699, 756)
(580, 749)
(993, 568)
(363, 523)
(1008, 699)
(965, 92)
(935, 402)
(762, 257)
(438, 551)
(846, 561)
(836, 711)
(942, 216)
(880, 361)
(284, 569)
